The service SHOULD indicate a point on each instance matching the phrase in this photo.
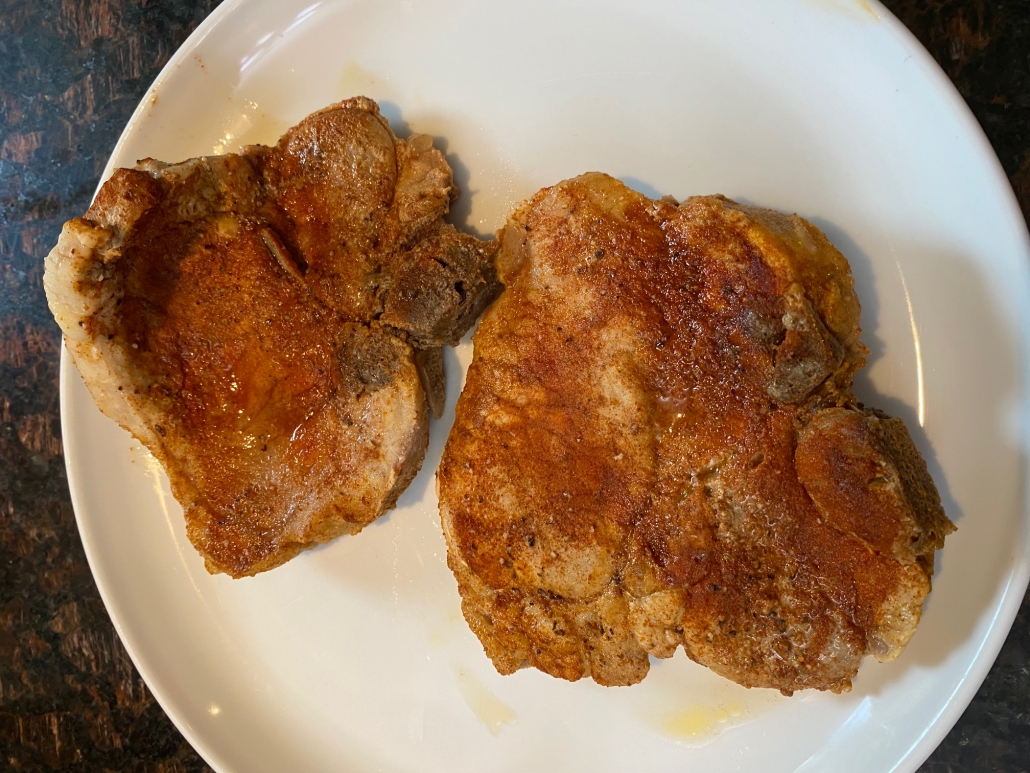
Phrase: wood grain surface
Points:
(71, 73)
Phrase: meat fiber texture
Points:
(268, 324)
(657, 446)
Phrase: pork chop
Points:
(269, 325)
(657, 446)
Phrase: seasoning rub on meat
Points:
(657, 446)
(269, 325)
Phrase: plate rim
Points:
(1018, 577)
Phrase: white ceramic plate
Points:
(355, 656)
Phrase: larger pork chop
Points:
(657, 446)
(268, 324)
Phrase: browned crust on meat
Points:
(652, 429)
(229, 312)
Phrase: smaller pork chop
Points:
(269, 325)
(657, 446)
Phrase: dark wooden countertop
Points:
(71, 73)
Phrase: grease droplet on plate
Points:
(488, 708)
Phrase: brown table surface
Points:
(71, 73)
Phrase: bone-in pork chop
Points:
(269, 325)
(657, 446)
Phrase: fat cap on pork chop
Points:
(657, 446)
(269, 325)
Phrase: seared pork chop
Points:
(657, 446)
(268, 324)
